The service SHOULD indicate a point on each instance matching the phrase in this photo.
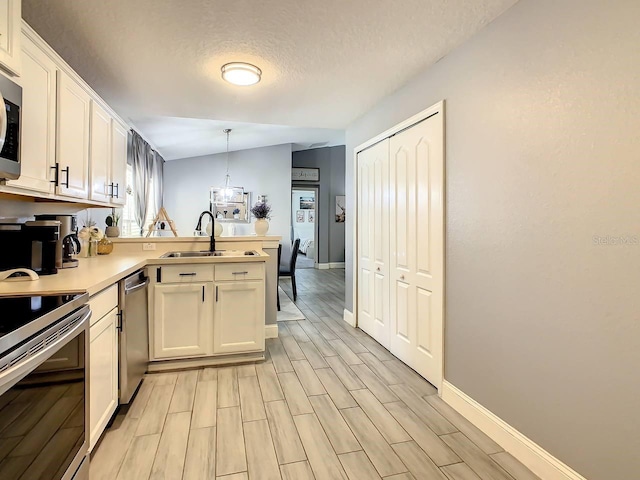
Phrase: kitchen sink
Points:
(217, 253)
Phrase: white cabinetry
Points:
(100, 153)
(119, 142)
(10, 21)
(103, 361)
(182, 320)
(103, 374)
(239, 317)
(74, 107)
(38, 145)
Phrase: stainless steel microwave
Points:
(11, 103)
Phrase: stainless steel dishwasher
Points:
(134, 333)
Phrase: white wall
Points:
(543, 161)
(304, 229)
(260, 171)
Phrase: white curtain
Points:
(148, 168)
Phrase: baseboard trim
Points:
(337, 265)
(271, 331)
(322, 266)
(348, 317)
(532, 455)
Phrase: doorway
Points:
(304, 224)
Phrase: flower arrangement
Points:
(90, 235)
(262, 211)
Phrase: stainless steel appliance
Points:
(68, 244)
(30, 245)
(10, 103)
(134, 333)
(44, 390)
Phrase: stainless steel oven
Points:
(10, 106)
(44, 344)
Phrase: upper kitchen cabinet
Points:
(10, 21)
(38, 145)
(100, 152)
(74, 109)
(119, 142)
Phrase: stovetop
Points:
(24, 316)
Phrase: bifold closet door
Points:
(373, 241)
(417, 252)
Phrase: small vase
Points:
(112, 232)
(89, 248)
(261, 227)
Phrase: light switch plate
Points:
(148, 246)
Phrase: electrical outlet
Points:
(148, 247)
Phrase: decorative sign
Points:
(305, 174)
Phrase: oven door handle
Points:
(3, 121)
(29, 362)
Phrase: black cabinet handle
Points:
(216, 293)
(192, 274)
(119, 325)
(56, 174)
(203, 294)
(159, 275)
(66, 184)
(110, 186)
(239, 273)
(117, 195)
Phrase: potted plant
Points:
(236, 213)
(112, 230)
(262, 212)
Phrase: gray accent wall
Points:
(259, 170)
(331, 162)
(542, 223)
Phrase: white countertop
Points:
(94, 274)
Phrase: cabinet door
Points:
(182, 320)
(38, 148)
(103, 374)
(73, 138)
(10, 22)
(239, 317)
(119, 139)
(100, 154)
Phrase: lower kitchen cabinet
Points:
(103, 374)
(238, 321)
(181, 325)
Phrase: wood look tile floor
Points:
(328, 403)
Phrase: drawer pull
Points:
(240, 273)
(192, 274)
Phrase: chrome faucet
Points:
(212, 244)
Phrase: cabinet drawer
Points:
(187, 273)
(239, 271)
(103, 302)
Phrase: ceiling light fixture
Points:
(240, 73)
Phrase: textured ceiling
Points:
(324, 63)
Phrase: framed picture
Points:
(307, 203)
(300, 216)
(341, 207)
(311, 216)
(305, 174)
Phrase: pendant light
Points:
(229, 194)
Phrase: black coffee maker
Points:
(30, 245)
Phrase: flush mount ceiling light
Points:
(240, 73)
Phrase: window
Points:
(130, 227)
